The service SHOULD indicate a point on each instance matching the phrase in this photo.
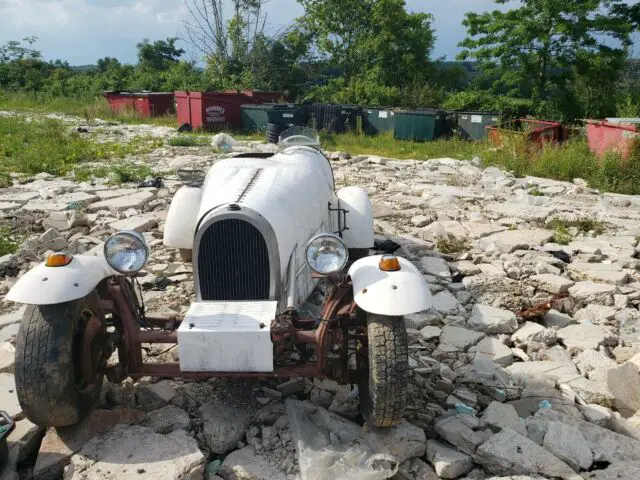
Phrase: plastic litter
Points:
(544, 405)
(185, 127)
(465, 409)
(151, 182)
(212, 468)
(330, 447)
(224, 142)
(353, 394)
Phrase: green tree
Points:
(543, 47)
(159, 55)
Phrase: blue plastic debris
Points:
(213, 468)
(544, 405)
(353, 394)
(465, 409)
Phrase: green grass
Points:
(116, 174)
(49, 146)
(8, 244)
(560, 162)
(562, 236)
(453, 245)
(188, 141)
(583, 225)
(89, 108)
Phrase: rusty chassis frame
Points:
(339, 317)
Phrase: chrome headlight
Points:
(326, 254)
(126, 252)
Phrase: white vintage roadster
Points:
(263, 230)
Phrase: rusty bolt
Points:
(364, 290)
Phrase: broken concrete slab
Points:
(138, 452)
(459, 338)
(152, 396)
(138, 223)
(533, 332)
(224, 424)
(567, 443)
(166, 420)
(552, 283)
(581, 337)
(245, 464)
(624, 383)
(607, 446)
(493, 349)
(7, 357)
(59, 444)
(448, 462)
(590, 292)
(599, 272)
(553, 318)
(8, 396)
(499, 416)
(512, 240)
(459, 434)
(509, 453)
(119, 204)
(491, 320)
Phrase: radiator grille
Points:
(233, 262)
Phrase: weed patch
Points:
(562, 236)
(8, 243)
(583, 225)
(48, 146)
(188, 141)
(453, 245)
(5, 180)
(116, 174)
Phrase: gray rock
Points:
(138, 452)
(552, 283)
(445, 303)
(509, 453)
(597, 314)
(24, 439)
(512, 240)
(624, 384)
(607, 446)
(448, 462)
(429, 333)
(459, 338)
(499, 416)
(493, 349)
(581, 337)
(597, 414)
(617, 471)
(120, 204)
(488, 319)
(57, 221)
(567, 443)
(12, 317)
(589, 360)
(536, 430)
(166, 420)
(224, 425)
(532, 332)
(437, 267)
(457, 433)
(8, 396)
(599, 272)
(9, 332)
(245, 464)
(7, 357)
(415, 469)
(139, 223)
(421, 220)
(553, 318)
(152, 396)
(590, 292)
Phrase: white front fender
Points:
(389, 293)
(44, 285)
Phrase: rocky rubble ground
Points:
(527, 366)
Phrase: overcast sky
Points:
(81, 31)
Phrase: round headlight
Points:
(327, 254)
(126, 252)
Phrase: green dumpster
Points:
(286, 114)
(254, 118)
(418, 125)
(473, 125)
(378, 120)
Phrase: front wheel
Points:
(59, 361)
(383, 385)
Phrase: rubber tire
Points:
(44, 369)
(383, 395)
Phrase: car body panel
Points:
(389, 293)
(44, 285)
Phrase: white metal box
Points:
(227, 337)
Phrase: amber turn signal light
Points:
(58, 260)
(389, 263)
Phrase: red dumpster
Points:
(212, 110)
(605, 136)
(527, 131)
(146, 104)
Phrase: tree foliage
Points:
(549, 50)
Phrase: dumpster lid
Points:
(623, 120)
